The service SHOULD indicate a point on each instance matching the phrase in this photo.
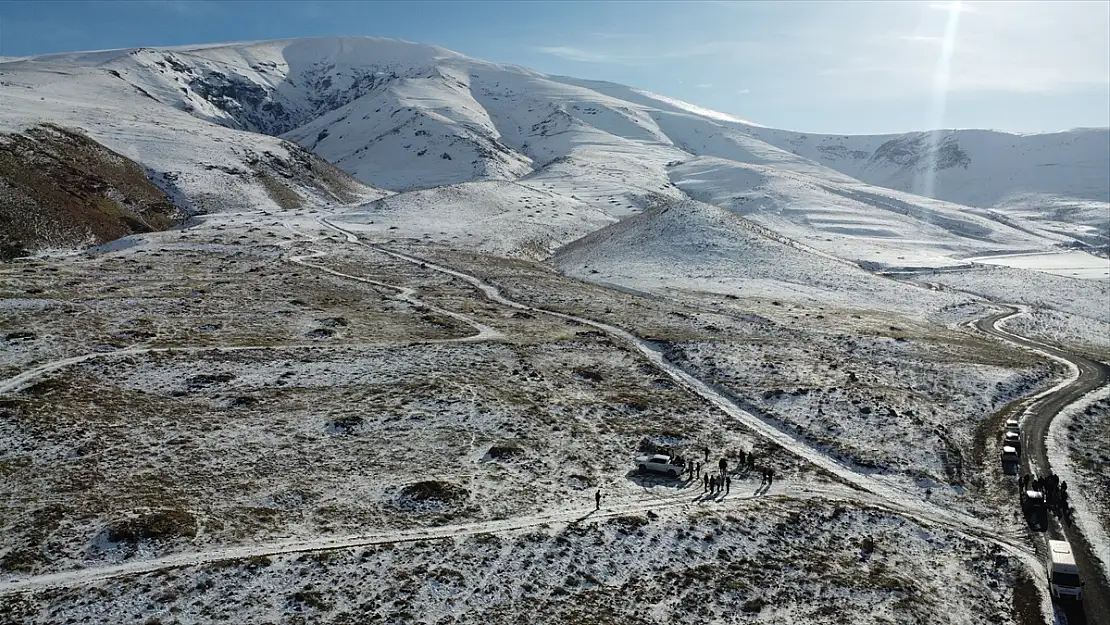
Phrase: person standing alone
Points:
(597, 499)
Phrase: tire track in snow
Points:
(408, 294)
(22, 380)
(887, 498)
(19, 382)
(786, 490)
(872, 492)
(892, 495)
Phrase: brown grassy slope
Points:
(59, 188)
(287, 179)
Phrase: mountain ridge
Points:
(404, 116)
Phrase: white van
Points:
(1063, 575)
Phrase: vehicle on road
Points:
(1063, 574)
(1010, 459)
(1035, 509)
(1013, 425)
(1012, 439)
(659, 463)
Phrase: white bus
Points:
(1063, 575)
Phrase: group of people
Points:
(721, 480)
(716, 484)
(1055, 491)
(694, 468)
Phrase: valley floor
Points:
(259, 418)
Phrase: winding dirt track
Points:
(863, 488)
(1037, 416)
(679, 498)
(893, 497)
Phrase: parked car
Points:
(659, 463)
(1010, 455)
(1012, 439)
(1034, 508)
(1013, 425)
(1032, 500)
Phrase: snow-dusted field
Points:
(1081, 457)
(1071, 264)
(176, 290)
(1070, 311)
(897, 396)
(765, 560)
(1082, 334)
(368, 394)
(1075, 296)
(907, 407)
(310, 441)
(353, 390)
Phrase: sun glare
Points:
(941, 79)
(953, 7)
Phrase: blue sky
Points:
(864, 67)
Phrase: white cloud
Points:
(999, 47)
(640, 50)
(581, 55)
(867, 51)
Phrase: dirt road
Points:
(1038, 414)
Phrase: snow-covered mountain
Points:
(405, 117)
(972, 167)
(203, 166)
(1056, 180)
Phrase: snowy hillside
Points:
(834, 213)
(693, 246)
(406, 117)
(59, 189)
(203, 166)
(1053, 180)
(500, 218)
(973, 167)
